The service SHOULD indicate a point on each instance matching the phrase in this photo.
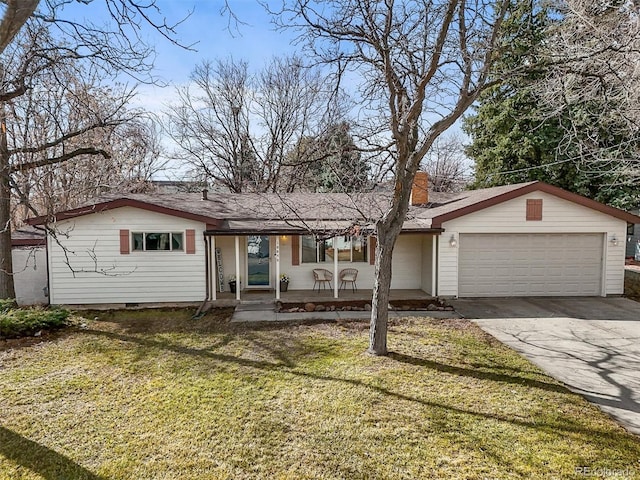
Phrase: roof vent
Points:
(420, 189)
(205, 194)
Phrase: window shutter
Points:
(372, 250)
(124, 242)
(190, 242)
(295, 249)
(534, 209)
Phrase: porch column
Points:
(238, 267)
(213, 271)
(335, 267)
(435, 266)
(277, 267)
(207, 269)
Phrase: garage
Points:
(535, 264)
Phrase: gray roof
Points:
(445, 203)
(27, 236)
(280, 213)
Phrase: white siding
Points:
(226, 244)
(407, 262)
(98, 273)
(30, 275)
(427, 263)
(447, 266)
(302, 276)
(407, 266)
(558, 216)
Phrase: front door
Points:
(258, 261)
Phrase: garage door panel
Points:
(530, 264)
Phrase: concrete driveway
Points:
(590, 344)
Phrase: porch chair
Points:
(349, 275)
(322, 277)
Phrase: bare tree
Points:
(210, 123)
(37, 43)
(419, 66)
(238, 128)
(291, 103)
(446, 165)
(115, 42)
(134, 157)
(593, 84)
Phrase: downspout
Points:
(46, 256)
(202, 306)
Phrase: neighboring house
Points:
(177, 186)
(29, 255)
(525, 239)
(633, 238)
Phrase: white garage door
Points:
(494, 265)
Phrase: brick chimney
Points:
(205, 194)
(420, 189)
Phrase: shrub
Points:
(19, 322)
(7, 304)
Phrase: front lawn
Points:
(157, 395)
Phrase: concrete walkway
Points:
(266, 313)
(590, 344)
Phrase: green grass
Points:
(156, 395)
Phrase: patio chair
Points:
(322, 277)
(349, 275)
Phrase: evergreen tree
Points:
(518, 135)
(340, 167)
(329, 163)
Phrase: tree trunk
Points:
(388, 231)
(7, 289)
(380, 301)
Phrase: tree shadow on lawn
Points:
(477, 374)
(164, 320)
(562, 425)
(47, 463)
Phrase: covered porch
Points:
(256, 261)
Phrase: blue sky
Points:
(209, 30)
(256, 40)
(210, 33)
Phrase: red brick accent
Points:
(420, 189)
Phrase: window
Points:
(154, 241)
(631, 229)
(349, 249)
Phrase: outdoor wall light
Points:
(453, 242)
(614, 241)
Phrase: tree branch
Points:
(15, 16)
(62, 158)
